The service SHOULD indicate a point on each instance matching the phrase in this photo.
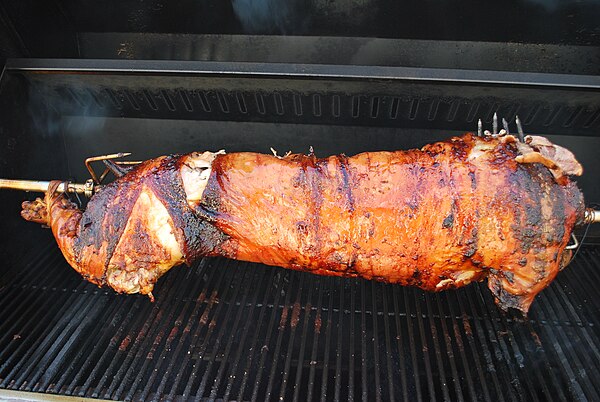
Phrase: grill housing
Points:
(229, 330)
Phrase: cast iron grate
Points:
(231, 330)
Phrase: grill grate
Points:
(232, 330)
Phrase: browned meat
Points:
(437, 218)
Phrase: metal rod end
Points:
(591, 216)
(520, 129)
(495, 124)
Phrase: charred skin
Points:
(437, 218)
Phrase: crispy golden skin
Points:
(437, 218)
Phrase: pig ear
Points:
(560, 161)
(562, 157)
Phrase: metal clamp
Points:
(118, 168)
(88, 189)
(591, 216)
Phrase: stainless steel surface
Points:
(592, 216)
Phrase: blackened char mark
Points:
(472, 243)
(314, 175)
(448, 221)
(526, 196)
(346, 181)
(448, 181)
(504, 299)
(106, 216)
(210, 206)
(559, 217)
(197, 236)
(574, 199)
(473, 180)
(212, 210)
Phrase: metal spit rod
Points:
(592, 216)
(89, 188)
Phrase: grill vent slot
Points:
(316, 101)
(75, 97)
(489, 117)
(453, 111)
(113, 98)
(260, 103)
(278, 103)
(355, 106)
(186, 100)
(132, 101)
(374, 107)
(593, 119)
(394, 108)
(298, 105)
(552, 115)
(473, 112)
(414, 109)
(150, 101)
(335, 105)
(533, 114)
(222, 102)
(204, 101)
(241, 102)
(97, 103)
(433, 110)
(576, 113)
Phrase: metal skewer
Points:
(505, 125)
(519, 129)
(88, 188)
(495, 124)
(92, 186)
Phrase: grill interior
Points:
(242, 331)
(239, 331)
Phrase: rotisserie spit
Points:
(441, 217)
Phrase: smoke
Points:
(52, 109)
(49, 108)
(44, 119)
(549, 5)
(270, 16)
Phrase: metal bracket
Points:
(118, 168)
(89, 188)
